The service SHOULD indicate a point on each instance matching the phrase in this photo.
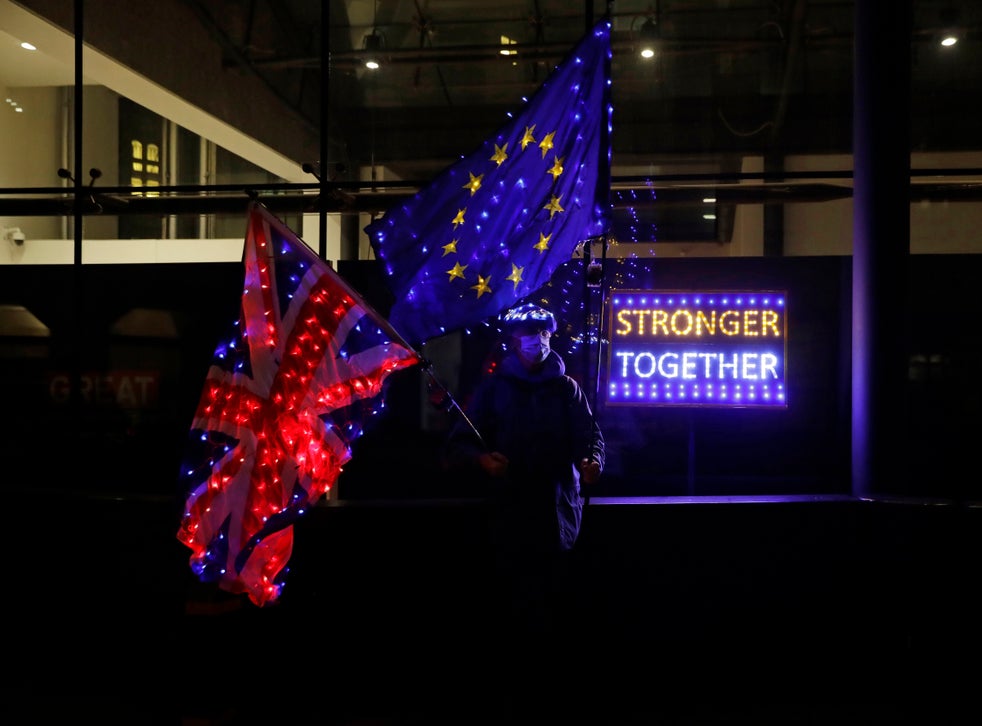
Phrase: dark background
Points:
(681, 610)
(49, 442)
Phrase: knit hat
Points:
(528, 316)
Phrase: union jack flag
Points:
(282, 403)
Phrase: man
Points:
(531, 431)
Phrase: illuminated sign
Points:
(697, 348)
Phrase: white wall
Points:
(30, 151)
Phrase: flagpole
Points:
(603, 195)
(441, 397)
(445, 401)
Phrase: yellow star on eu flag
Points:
(456, 271)
(500, 154)
(546, 143)
(516, 275)
(557, 168)
(482, 285)
(527, 138)
(553, 206)
(474, 184)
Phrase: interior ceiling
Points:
(731, 78)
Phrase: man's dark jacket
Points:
(543, 423)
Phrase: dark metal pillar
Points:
(325, 50)
(881, 243)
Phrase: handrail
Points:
(375, 197)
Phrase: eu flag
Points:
(490, 229)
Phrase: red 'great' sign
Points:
(118, 388)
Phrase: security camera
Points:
(13, 234)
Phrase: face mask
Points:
(534, 348)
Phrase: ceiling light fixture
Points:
(373, 43)
(950, 34)
(650, 35)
